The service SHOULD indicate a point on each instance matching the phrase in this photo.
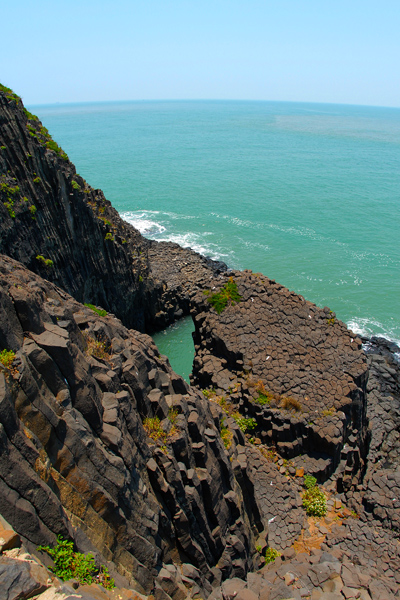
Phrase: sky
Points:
(333, 51)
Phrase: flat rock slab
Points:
(21, 579)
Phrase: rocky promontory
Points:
(179, 490)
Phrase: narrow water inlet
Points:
(176, 342)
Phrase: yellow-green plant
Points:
(271, 554)
(7, 358)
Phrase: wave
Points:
(156, 225)
(370, 327)
(142, 222)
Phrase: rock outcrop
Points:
(82, 410)
(53, 222)
(292, 366)
(178, 489)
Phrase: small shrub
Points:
(329, 412)
(33, 210)
(227, 294)
(99, 311)
(9, 206)
(264, 399)
(97, 348)
(140, 279)
(172, 416)
(309, 481)
(76, 185)
(37, 180)
(69, 564)
(47, 262)
(209, 393)
(226, 435)
(331, 318)
(245, 424)
(152, 426)
(288, 403)
(314, 502)
(7, 358)
(271, 554)
(52, 145)
(109, 236)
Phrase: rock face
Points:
(292, 366)
(176, 489)
(53, 222)
(75, 455)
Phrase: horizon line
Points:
(150, 100)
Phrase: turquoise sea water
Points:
(309, 194)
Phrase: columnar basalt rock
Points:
(101, 442)
(61, 228)
(75, 456)
(291, 365)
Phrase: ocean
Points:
(308, 194)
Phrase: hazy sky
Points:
(344, 51)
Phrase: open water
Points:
(308, 194)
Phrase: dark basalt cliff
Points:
(101, 442)
(47, 210)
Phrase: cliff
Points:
(179, 489)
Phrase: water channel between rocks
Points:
(176, 342)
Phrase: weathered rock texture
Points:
(102, 442)
(275, 342)
(47, 210)
(75, 457)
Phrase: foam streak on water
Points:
(307, 194)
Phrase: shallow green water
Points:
(176, 342)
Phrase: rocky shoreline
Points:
(180, 490)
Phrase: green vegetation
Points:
(76, 185)
(270, 555)
(314, 500)
(155, 431)
(99, 311)
(244, 424)
(37, 180)
(331, 318)
(69, 564)
(226, 435)
(32, 210)
(52, 145)
(8, 189)
(309, 481)
(109, 236)
(30, 115)
(47, 262)
(10, 192)
(7, 358)
(329, 412)
(9, 93)
(140, 279)
(264, 399)
(227, 294)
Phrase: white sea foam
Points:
(143, 222)
(157, 225)
(370, 327)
